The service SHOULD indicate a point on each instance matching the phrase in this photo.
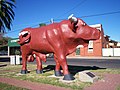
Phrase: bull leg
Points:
(59, 51)
(63, 63)
(57, 68)
(24, 64)
(39, 66)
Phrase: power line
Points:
(28, 26)
(102, 14)
(86, 16)
(73, 8)
(57, 17)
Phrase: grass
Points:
(118, 88)
(4, 86)
(12, 71)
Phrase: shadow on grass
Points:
(73, 69)
(3, 65)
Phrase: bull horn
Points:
(72, 19)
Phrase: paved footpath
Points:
(30, 85)
(109, 82)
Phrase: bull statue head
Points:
(24, 36)
(82, 29)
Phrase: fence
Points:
(111, 51)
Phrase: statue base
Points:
(68, 77)
(39, 71)
(58, 73)
(24, 72)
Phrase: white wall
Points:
(116, 51)
(107, 51)
(111, 51)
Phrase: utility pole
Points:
(52, 20)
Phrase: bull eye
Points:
(25, 34)
(84, 24)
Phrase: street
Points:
(101, 63)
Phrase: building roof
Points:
(13, 42)
(98, 26)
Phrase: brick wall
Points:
(96, 51)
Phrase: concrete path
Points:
(109, 82)
(30, 85)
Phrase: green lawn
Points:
(118, 88)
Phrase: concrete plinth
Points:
(87, 76)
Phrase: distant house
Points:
(109, 43)
(118, 44)
(95, 47)
(13, 47)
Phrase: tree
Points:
(42, 24)
(4, 41)
(6, 14)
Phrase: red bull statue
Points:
(61, 39)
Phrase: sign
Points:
(13, 42)
(87, 76)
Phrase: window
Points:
(78, 51)
(90, 47)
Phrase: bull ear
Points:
(72, 19)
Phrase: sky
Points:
(30, 13)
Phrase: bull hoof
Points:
(24, 71)
(39, 71)
(58, 73)
(68, 77)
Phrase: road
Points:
(101, 63)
